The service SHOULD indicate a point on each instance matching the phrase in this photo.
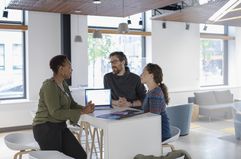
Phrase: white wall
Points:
(79, 57)
(177, 51)
(42, 44)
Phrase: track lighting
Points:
(164, 26)
(5, 14)
(140, 22)
(205, 27)
(129, 21)
(187, 26)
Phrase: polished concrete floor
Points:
(211, 140)
(206, 140)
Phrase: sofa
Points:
(214, 104)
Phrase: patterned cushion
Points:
(223, 96)
(205, 98)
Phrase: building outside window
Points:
(99, 49)
(213, 53)
(12, 58)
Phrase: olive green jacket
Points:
(56, 105)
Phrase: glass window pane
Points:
(12, 77)
(2, 58)
(99, 50)
(212, 62)
(113, 22)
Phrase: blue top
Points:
(154, 102)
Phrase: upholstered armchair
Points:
(237, 119)
(180, 116)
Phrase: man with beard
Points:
(126, 87)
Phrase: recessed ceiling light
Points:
(96, 1)
(77, 11)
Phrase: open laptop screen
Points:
(100, 97)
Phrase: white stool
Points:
(48, 155)
(22, 142)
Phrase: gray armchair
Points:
(180, 116)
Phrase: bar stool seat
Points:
(48, 155)
(21, 142)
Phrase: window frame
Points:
(224, 37)
(18, 26)
(132, 31)
(2, 67)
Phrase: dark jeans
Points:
(56, 136)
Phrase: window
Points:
(12, 58)
(213, 61)
(17, 56)
(2, 58)
(99, 49)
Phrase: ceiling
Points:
(201, 14)
(193, 12)
(86, 7)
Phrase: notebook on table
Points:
(100, 97)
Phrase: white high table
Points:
(125, 138)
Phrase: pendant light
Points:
(78, 38)
(123, 27)
(97, 33)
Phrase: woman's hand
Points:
(89, 108)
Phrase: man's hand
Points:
(89, 108)
(122, 102)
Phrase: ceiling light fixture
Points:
(140, 21)
(123, 27)
(77, 11)
(187, 27)
(231, 18)
(5, 11)
(205, 27)
(129, 20)
(5, 14)
(97, 33)
(96, 1)
(78, 38)
(231, 4)
(164, 26)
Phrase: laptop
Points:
(100, 97)
(121, 114)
